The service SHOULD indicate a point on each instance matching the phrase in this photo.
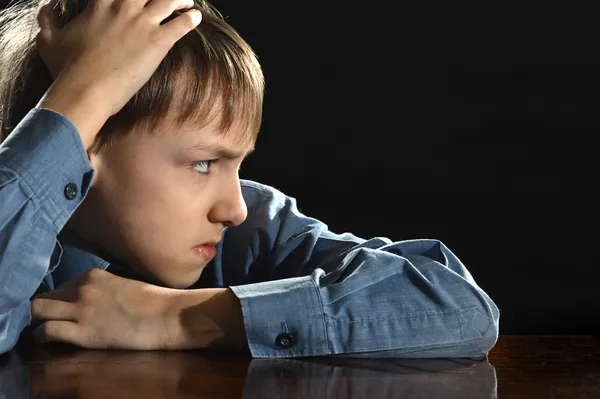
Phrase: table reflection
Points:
(61, 371)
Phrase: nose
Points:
(230, 208)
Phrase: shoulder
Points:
(258, 194)
(269, 206)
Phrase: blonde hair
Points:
(216, 64)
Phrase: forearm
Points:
(84, 108)
(37, 160)
(201, 318)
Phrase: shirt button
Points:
(285, 340)
(71, 191)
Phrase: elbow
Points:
(489, 338)
(8, 340)
(5, 345)
(482, 334)
(12, 324)
(492, 312)
(491, 335)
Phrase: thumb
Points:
(47, 18)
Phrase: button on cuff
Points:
(46, 163)
(285, 340)
(274, 309)
(71, 191)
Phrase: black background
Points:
(474, 123)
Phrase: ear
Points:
(93, 158)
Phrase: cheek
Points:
(160, 203)
(156, 218)
(169, 204)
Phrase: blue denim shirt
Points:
(327, 293)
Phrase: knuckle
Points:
(89, 339)
(40, 40)
(99, 4)
(86, 292)
(156, 38)
(190, 19)
(120, 5)
(86, 313)
(97, 7)
(37, 307)
(47, 330)
(95, 274)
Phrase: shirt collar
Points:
(78, 258)
(77, 251)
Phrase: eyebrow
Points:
(221, 151)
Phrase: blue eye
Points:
(202, 167)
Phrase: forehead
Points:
(206, 133)
(190, 119)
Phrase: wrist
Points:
(202, 318)
(83, 107)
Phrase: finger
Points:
(51, 309)
(47, 18)
(158, 10)
(59, 331)
(178, 27)
(63, 293)
(67, 291)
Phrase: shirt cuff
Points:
(284, 318)
(46, 151)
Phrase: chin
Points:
(180, 285)
(181, 282)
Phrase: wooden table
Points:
(518, 367)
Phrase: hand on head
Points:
(113, 46)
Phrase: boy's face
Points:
(151, 202)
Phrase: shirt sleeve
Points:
(312, 292)
(44, 176)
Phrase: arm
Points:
(306, 291)
(295, 289)
(36, 164)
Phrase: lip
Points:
(206, 250)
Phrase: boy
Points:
(124, 223)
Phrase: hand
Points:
(100, 310)
(114, 45)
